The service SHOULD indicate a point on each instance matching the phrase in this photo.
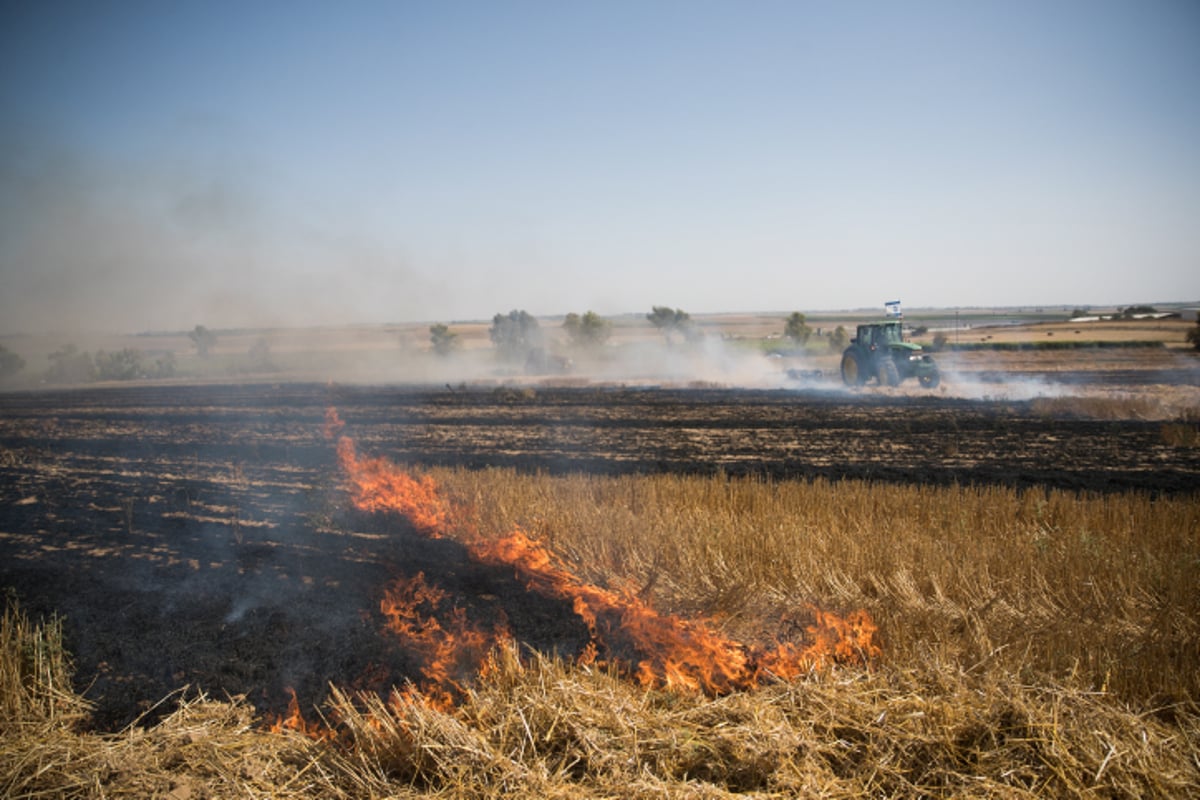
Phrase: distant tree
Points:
(69, 365)
(122, 365)
(839, 338)
(590, 330)
(671, 320)
(571, 323)
(203, 339)
(1130, 312)
(10, 363)
(515, 335)
(260, 356)
(1079, 312)
(444, 340)
(797, 329)
(1193, 336)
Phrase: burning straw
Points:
(656, 650)
(541, 727)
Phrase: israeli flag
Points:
(892, 309)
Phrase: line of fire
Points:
(450, 637)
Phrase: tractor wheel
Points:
(852, 372)
(888, 374)
(931, 380)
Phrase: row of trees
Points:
(518, 333)
(69, 364)
(797, 330)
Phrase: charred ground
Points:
(199, 535)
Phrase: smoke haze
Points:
(90, 247)
(237, 166)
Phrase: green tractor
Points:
(879, 351)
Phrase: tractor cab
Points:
(879, 335)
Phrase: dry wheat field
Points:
(311, 590)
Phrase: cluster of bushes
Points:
(518, 336)
(69, 364)
(799, 336)
(10, 363)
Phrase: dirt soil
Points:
(199, 536)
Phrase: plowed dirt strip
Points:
(776, 433)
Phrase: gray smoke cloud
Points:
(87, 245)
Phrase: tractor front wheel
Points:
(931, 380)
(852, 371)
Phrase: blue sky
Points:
(284, 163)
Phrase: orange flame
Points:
(333, 423)
(669, 651)
(377, 485)
(672, 652)
(655, 649)
(294, 721)
(450, 650)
